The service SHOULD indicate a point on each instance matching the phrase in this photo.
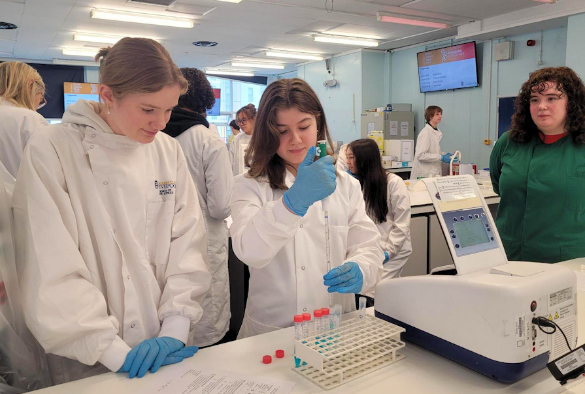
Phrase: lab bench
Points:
(421, 371)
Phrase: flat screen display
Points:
(471, 232)
(214, 111)
(453, 67)
(74, 91)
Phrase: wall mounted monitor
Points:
(449, 68)
(74, 91)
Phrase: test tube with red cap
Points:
(298, 319)
(318, 321)
(306, 324)
(326, 320)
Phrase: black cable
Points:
(549, 323)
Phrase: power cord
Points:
(543, 321)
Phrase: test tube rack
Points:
(358, 347)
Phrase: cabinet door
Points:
(417, 262)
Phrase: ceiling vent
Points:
(165, 3)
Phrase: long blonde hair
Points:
(138, 65)
(15, 84)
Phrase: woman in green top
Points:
(538, 169)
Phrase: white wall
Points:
(575, 45)
(343, 116)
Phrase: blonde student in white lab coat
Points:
(387, 203)
(111, 244)
(209, 165)
(22, 92)
(427, 154)
(278, 208)
(246, 119)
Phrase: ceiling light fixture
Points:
(99, 38)
(291, 55)
(149, 19)
(409, 20)
(364, 42)
(80, 52)
(230, 1)
(227, 72)
(546, 1)
(7, 26)
(259, 65)
(67, 62)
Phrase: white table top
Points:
(420, 372)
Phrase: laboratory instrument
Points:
(479, 312)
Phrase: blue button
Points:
(453, 236)
(492, 238)
(489, 229)
(456, 245)
(476, 216)
(452, 232)
(454, 219)
(462, 218)
(470, 217)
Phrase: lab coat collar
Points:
(85, 114)
(289, 179)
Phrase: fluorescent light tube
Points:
(75, 63)
(230, 1)
(234, 73)
(546, 1)
(346, 40)
(290, 55)
(259, 65)
(101, 38)
(410, 20)
(149, 19)
(80, 52)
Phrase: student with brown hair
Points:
(427, 155)
(22, 92)
(111, 243)
(246, 118)
(278, 208)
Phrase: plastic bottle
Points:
(298, 319)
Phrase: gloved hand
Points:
(314, 182)
(151, 353)
(386, 256)
(446, 158)
(347, 278)
(180, 355)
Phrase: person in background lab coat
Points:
(427, 155)
(235, 131)
(209, 164)
(22, 92)
(246, 118)
(387, 203)
(111, 244)
(278, 225)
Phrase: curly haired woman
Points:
(538, 169)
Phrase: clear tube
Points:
(298, 337)
(362, 309)
(306, 325)
(337, 309)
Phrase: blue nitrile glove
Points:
(150, 353)
(446, 158)
(350, 173)
(180, 355)
(314, 182)
(345, 279)
(386, 256)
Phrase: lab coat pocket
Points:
(159, 221)
(575, 192)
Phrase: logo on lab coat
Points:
(166, 187)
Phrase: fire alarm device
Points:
(531, 43)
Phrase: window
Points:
(234, 95)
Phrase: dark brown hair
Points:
(199, 96)
(261, 156)
(568, 83)
(372, 177)
(431, 111)
(138, 65)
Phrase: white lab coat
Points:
(111, 244)
(235, 156)
(395, 231)
(16, 126)
(341, 162)
(427, 155)
(209, 165)
(286, 253)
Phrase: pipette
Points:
(322, 153)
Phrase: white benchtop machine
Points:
(479, 312)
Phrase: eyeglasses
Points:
(43, 103)
(241, 122)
